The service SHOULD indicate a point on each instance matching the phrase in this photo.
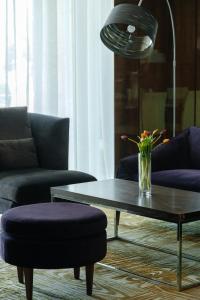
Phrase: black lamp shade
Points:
(130, 31)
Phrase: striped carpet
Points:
(110, 284)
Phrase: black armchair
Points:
(176, 164)
(33, 157)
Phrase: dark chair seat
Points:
(33, 185)
(51, 236)
(185, 179)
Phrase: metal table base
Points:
(180, 255)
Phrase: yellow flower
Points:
(155, 132)
(166, 141)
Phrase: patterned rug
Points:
(110, 284)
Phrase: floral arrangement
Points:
(147, 140)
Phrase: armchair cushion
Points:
(17, 154)
(17, 149)
(14, 123)
(33, 185)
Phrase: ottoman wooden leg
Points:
(20, 274)
(89, 278)
(77, 273)
(28, 274)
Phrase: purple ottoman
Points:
(52, 236)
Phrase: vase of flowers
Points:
(144, 173)
(146, 142)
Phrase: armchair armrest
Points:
(51, 136)
(128, 168)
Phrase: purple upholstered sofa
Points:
(176, 164)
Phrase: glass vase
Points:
(144, 173)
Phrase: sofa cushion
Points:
(33, 185)
(186, 179)
(14, 123)
(17, 154)
(194, 142)
(174, 155)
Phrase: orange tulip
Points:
(147, 133)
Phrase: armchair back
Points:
(51, 136)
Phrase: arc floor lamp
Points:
(130, 31)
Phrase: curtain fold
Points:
(14, 52)
(52, 60)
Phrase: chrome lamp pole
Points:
(130, 31)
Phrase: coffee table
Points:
(166, 204)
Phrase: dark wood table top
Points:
(166, 204)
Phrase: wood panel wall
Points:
(143, 88)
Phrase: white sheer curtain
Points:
(14, 53)
(52, 60)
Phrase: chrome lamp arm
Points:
(174, 67)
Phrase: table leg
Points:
(116, 223)
(179, 256)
